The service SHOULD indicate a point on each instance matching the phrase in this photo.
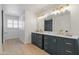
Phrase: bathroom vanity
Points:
(53, 35)
(56, 44)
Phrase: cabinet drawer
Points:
(69, 41)
(69, 46)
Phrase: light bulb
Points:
(58, 11)
(64, 8)
(55, 12)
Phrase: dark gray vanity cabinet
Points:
(50, 44)
(55, 45)
(37, 40)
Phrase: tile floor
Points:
(16, 47)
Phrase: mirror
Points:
(55, 23)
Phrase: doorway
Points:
(13, 32)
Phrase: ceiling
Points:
(12, 9)
(18, 9)
(41, 9)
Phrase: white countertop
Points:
(59, 35)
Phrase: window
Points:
(10, 23)
(15, 24)
(21, 24)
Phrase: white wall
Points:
(40, 24)
(0, 31)
(0, 26)
(22, 31)
(74, 8)
(30, 25)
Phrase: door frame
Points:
(2, 27)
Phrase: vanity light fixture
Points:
(56, 11)
(60, 9)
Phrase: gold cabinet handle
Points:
(68, 51)
(68, 43)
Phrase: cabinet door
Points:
(34, 38)
(60, 46)
(76, 51)
(46, 47)
(39, 40)
(50, 44)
